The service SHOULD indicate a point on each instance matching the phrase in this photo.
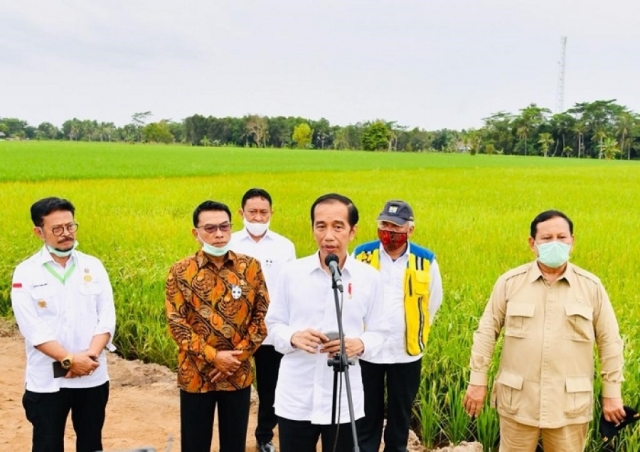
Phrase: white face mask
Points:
(214, 250)
(256, 229)
(553, 254)
(62, 253)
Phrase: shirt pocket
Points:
(89, 294)
(46, 301)
(421, 283)
(509, 391)
(518, 319)
(579, 322)
(579, 396)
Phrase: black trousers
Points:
(403, 381)
(267, 361)
(196, 419)
(48, 413)
(302, 436)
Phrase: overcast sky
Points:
(425, 63)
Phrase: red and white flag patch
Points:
(17, 285)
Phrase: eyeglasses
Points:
(58, 229)
(211, 228)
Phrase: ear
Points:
(410, 231)
(532, 246)
(353, 231)
(194, 232)
(240, 212)
(38, 232)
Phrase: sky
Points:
(423, 63)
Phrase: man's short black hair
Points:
(547, 215)
(206, 206)
(46, 206)
(255, 193)
(352, 210)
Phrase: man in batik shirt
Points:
(216, 301)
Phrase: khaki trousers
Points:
(516, 437)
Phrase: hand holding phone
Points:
(332, 335)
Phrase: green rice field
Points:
(134, 205)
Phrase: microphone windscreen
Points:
(330, 258)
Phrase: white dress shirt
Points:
(304, 299)
(272, 251)
(394, 349)
(71, 313)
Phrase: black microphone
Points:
(332, 262)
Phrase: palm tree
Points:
(600, 134)
(545, 141)
(609, 148)
(625, 123)
(561, 123)
(523, 133)
(579, 128)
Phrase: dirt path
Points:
(143, 408)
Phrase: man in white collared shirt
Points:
(273, 251)
(63, 304)
(300, 316)
(412, 295)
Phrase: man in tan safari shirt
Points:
(552, 313)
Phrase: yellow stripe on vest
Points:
(417, 279)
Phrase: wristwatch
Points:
(66, 362)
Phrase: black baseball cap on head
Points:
(396, 212)
(608, 430)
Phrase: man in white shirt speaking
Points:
(412, 295)
(63, 304)
(301, 316)
(257, 240)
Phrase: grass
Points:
(80, 161)
(134, 204)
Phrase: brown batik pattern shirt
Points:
(211, 309)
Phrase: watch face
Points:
(66, 363)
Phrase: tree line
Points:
(599, 129)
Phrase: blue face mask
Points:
(62, 253)
(214, 250)
(553, 254)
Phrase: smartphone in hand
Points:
(58, 370)
(332, 335)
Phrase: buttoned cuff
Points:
(282, 339)
(611, 390)
(478, 378)
(102, 330)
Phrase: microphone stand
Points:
(341, 364)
